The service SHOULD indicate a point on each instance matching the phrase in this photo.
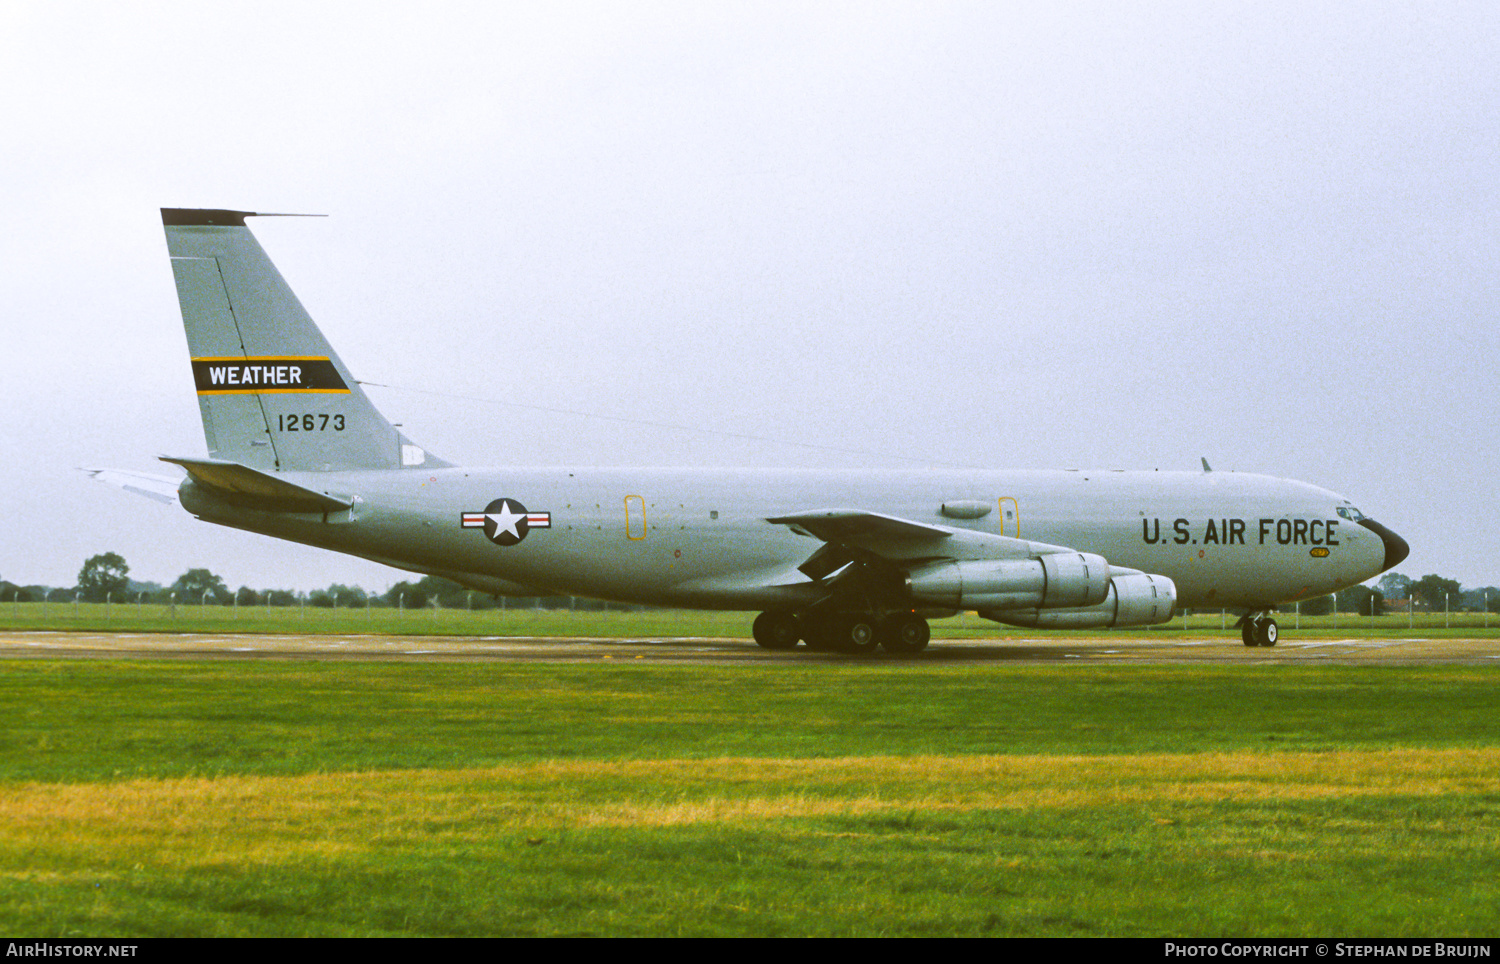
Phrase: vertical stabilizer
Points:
(273, 393)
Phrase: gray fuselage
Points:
(699, 537)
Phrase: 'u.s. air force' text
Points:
(1232, 532)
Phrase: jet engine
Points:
(1137, 599)
(1062, 579)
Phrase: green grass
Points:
(265, 797)
(121, 617)
(129, 617)
(88, 720)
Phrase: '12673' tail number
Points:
(309, 423)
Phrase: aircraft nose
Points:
(1396, 548)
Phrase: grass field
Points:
(274, 797)
(128, 617)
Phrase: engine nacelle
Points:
(1063, 579)
(1139, 599)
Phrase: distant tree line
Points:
(1431, 593)
(106, 578)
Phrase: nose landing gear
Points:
(1259, 630)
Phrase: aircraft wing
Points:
(893, 538)
(157, 487)
(1003, 578)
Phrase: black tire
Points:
(903, 634)
(1267, 633)
(776, 630)
(1247, 633)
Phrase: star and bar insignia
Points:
(506, 521)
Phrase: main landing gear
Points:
(859, 634)
(1259, 630)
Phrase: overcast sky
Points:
(1026, 235)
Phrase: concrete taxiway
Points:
(1119, 648)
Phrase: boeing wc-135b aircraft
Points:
(842, 560)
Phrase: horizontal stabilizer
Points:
(256, 489)
(157, 487)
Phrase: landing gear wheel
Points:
(776, 630)
(904, 633)
(1260, 632)
(858, 635)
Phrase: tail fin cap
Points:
(218, 217)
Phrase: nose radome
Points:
(1396, 548)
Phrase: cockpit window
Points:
(1350, 512)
